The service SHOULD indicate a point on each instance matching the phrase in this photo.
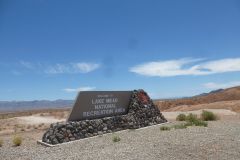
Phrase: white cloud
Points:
(212, 85)
(79, 67)
(72, 68)
(79, 89)
(27, 65)
(186, 66)
(85, 67)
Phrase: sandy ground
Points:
(34, 122)
(219, 141)
(35, 119)
(219, 112)
(228, 105)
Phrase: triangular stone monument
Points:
(105, 115)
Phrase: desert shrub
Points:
(1, 142)
(165, 128)
(17, 140)
(116, 138)
(191, 117)
(196, 122)
(179, 126)
(208, 116)
(200, 123)
(188, 124)
(181, 117)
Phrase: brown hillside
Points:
(229, 94)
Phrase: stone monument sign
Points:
(98, 104)
(99, 112)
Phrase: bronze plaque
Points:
(98, 104)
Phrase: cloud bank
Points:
(82, 67)
(186, 66)
(87, 88)
(79, 67)
(212, 85)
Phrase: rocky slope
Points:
(230, 94)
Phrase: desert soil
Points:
(220, 140)
(227, 105)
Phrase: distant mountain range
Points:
(229, 94)
(8, 106)
(205, 94)
(213, 96)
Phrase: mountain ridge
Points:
(229, 94)
(6, 106)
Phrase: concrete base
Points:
(51, 145)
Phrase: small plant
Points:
(196, 122)
(179, 126)
(1, 142)
(17, 140)
(188, 124)
(181, 117)
(165, 128)
(191, 117)
(200, 123)
(35, 127)
(208, 116)
(116, 138)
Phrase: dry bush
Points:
(191, 117)
(17, 140)
(179, 126)
(116, 138)
(208, 116)
(1, 142)
(165, 128)
(29, 126)
(181, 117)
(22, 129)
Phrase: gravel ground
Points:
(220, 140)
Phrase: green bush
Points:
(196, 122)
(181, 117)
(191, 117)
(17, 140)
(188, 124)
(208, 116)
(165, 128)
(179, 126)
(200, 123)
(1, 142)
(116, 138)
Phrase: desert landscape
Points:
(116, 80)
(219, 140)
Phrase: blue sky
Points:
(52, 49)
